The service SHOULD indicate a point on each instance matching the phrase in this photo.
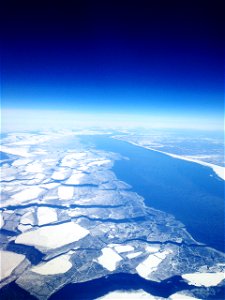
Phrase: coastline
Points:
(220, 171)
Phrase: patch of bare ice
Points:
(75, 178)
(65, 192)
(181, 296)
(150, 264)
(1, 220)
(28, 194)
(109, 259)
(61, 174)
(139, 294)
(35, 167)
(58, 265)
(46, 215)
(21, 162)
(123, 248)
(16, 151)
(204, 279)
(9, 262)
(54, 236)
(133, 255)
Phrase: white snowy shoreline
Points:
(220, 171)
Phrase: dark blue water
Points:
(99, 287)
(31, 253)
(179, 187)
(13, 292)
(3, 155)
(128, 282)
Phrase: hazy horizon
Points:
(27, 119)
(153, 64)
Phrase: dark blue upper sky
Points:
(146, 57)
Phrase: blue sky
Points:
(144, 59)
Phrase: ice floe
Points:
(28, 194)
(204, 279)
(21, 162)
(101, 162)
(1, 220)
(181, 296)
(75, 178)
(139, 294)
(50, 185)
(8, 173)
(61, 174)
(65, 192)
(8, 178)
(35, 167)
(46, 215)
(24, 152)
(133, 255)
(58, 265)
(71, 160)
(109, 259)
(150, 264)
(9, 262)
(27, 218)
(23, 228)
(54, 236)
(152, 248)
(123, 248)
(39, 177)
